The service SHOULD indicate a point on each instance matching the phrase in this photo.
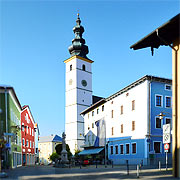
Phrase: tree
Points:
(59, 149)
(77, 151)
(54, 156)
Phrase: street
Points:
(88, 172)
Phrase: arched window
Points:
(83, 67)
(71, 67)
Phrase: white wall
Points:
(138, 93)
(78, 98)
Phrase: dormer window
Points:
(83, 67)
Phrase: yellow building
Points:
(46, 146)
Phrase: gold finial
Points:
(78, 13)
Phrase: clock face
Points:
(84, 83)
(70, 82)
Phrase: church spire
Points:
(78, 46)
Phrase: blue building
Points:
(134, 131)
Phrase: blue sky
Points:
(35, 36)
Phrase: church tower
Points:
(78, 88)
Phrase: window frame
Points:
(121, 152)
(133, 105)
(116, 149)
(122, 128)
(84, 67)
(102, 108)
(157, 117)
(160, 147)
(121, 110)
(166, 120)
(166, 101)
(133, 126)
(111, 149)
(23, 142)
(132, 148)
(169, 86)
(112, 131)
(128, 148)
(161, 100)
(92, 125)
(22, 127)
(70, 67)
(112, 114)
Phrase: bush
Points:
(59, 149)
(54, 156)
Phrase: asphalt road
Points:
(89, 172)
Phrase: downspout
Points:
(6, 109)
(175, 122)
(149, 108)
(148, 136)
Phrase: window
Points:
(133, 125)
(92, 125)
(23, 142)
(30, 130)
(112, 114)
(121, 128)
(102, 107)
(83, 67)
(33, 144)
(168, 102)
(71, 67)
(116, 148)
(133, 105)
(98, 111)
(158, 122)
(88, 115)
(112, 131)
(92, 113)
(111, 149)
(168, 121)
(168, 87)
(121, 109)
(27, 143)
(157, 147)
(133, 148)
(111, 102)
(121, 149)
(23, 127)
(127, 148)
(30, 144)
(158, 100)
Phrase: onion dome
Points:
(78, 46)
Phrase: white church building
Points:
(133, 129)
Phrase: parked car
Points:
(86, 162)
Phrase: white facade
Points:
(115, 118)
(78, 98)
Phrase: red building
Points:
(27, 136)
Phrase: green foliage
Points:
(59, 149)
(54, 156)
